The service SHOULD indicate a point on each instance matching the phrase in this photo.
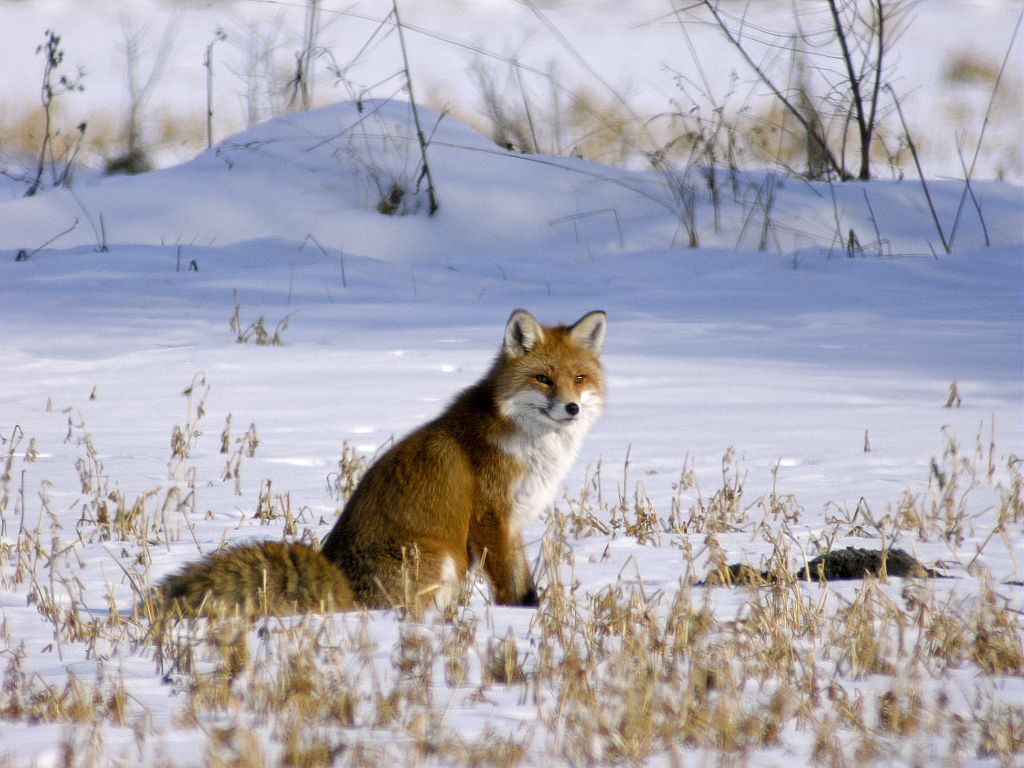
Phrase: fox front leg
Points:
(504, 562)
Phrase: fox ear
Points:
(588, 332)
(522, 333)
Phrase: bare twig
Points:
(99, 233)
(969, 189)
(425, 174)
(920, 172)
(52, 239)
(981, 136)
(208, 63)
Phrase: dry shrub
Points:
(576, 122)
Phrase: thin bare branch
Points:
(920, 172)
(814, 135)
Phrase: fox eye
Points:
(580, 378)
(545, 380)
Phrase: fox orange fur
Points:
(453, 494)
(271, 576)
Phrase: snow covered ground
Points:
(798, 368)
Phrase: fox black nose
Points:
(572, 409)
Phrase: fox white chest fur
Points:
(546, 459)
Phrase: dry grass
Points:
(21, 130)
(256, 332)
(619, 674)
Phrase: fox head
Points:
(549, 378)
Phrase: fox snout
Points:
(563, 412)
(570, 405)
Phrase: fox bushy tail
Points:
(270, 577)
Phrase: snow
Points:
(785, 360)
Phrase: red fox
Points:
(453, 494)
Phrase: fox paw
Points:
(530, 599)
